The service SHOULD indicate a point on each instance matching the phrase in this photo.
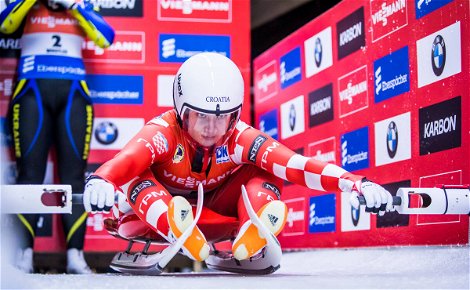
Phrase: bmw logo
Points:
(318, 52)
(355, 215)
(106, 133)
(392, 139)
(292, 117)
(438, 55)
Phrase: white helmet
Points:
(208, 83)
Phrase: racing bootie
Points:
(24, 260)
(249, 241)
(180, 217)
(76, 263)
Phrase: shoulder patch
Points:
(160, 142)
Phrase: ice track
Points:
(394, 268)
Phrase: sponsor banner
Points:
(393, 139)
(295, 224)
(128, 47)
(318, 52)
(322, 214)
(290, 69)
(355, 149)
(124, 8)
(10, 45)
(179, 47)
(423, 7)
(268, 123)
(266, 82)
(7, 78)
(450, 177)
(323, 150)
(387, 17)
(439, 55)
(292, 117)
(353, 92)
(353, 219)
(114, 133)
(195, 11)
(320, 104)
(165, 90)
(440, 126)
(394, 219)
(115, 89)
(391, 75)
(351, 33)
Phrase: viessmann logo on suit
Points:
(195, 10)
(115, 89)
(179, 47)
(351, 33)
(440, 126)
(125, 8)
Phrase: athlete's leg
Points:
(262, 187)
(73, 124)
(168, 216)
(263, 191)
(32, 136)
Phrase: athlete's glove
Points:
(98, 195)
(67, 4)
(378, 199)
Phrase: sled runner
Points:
(215, 227)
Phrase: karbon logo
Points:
(195, 11)
(440, 126)
(351, 33)
(124, 8)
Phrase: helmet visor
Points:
(206, 129)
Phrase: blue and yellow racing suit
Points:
(51, 104)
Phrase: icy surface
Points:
(395, 268)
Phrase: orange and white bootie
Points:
(180, 217)
(249, 241)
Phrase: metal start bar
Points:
(444, 199)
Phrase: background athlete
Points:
(51, 104)
(203, 141)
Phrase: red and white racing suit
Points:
(164, 161)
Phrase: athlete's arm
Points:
(150, 145)
(95, 27)
(12, 16)
(253, 146)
